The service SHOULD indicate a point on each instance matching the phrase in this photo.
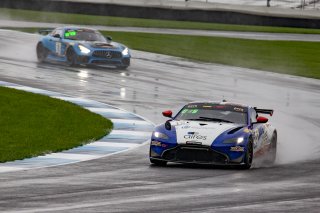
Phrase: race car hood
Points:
(200, 132)
(98, 44)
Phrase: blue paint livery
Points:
(59, 48)
(259, 139)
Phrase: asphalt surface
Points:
(229, 34)
(126, 182)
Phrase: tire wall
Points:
(227, 17)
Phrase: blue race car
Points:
(218, 133)
(81, 46)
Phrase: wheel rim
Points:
(70, 57)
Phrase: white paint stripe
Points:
(70, 156)
(135, 133)
(105, 110)
(70, 99)
(33, 90)
(125, 121)
(114, 144)
(10, 169)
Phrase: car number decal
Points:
(58, 48)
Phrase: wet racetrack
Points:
(126, 182)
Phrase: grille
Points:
(105, 62)
(107, 54)
(194, 154)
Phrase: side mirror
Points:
(262, 119)
(56, 36)
(167, 113)
(109, 38)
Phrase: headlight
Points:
(125, 51)
(160, 135)
(83, 49)
(234, 140)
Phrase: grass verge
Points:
(33, 125)
(28, 15)
(289, 57)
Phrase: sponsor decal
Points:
(237, 149)
(195, 136)
(192, 106)
(238, 109)
(184, 111)
(246, 130)
(220, 107)
(190, 111)
(207, 106)
(155, 143)
(185, 127)
(255, 135)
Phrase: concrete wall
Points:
(217, 16)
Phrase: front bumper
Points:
(195, 154)
(104, 57)
(87, 60)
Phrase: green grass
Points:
(290, 57)
(33, 125)
(28, 15)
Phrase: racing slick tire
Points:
(158, 162)
(273, 150)
(71, 57)
(248, 156)
(42, 52)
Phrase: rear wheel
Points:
(248, 156)
(273, 150)
(71, 57)
(158, 162)
(42, 52)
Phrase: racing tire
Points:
(248, 156)
(158, 162)
(71, 57)
(42, 52)
(273, 150)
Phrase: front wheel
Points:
(158, 162)
(42, 52)
(71, 57)
(248, 156)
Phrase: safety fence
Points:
(294, 4)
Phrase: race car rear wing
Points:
(45, 31)
(264, 111)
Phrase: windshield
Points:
(214, 113)
(84, 35)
